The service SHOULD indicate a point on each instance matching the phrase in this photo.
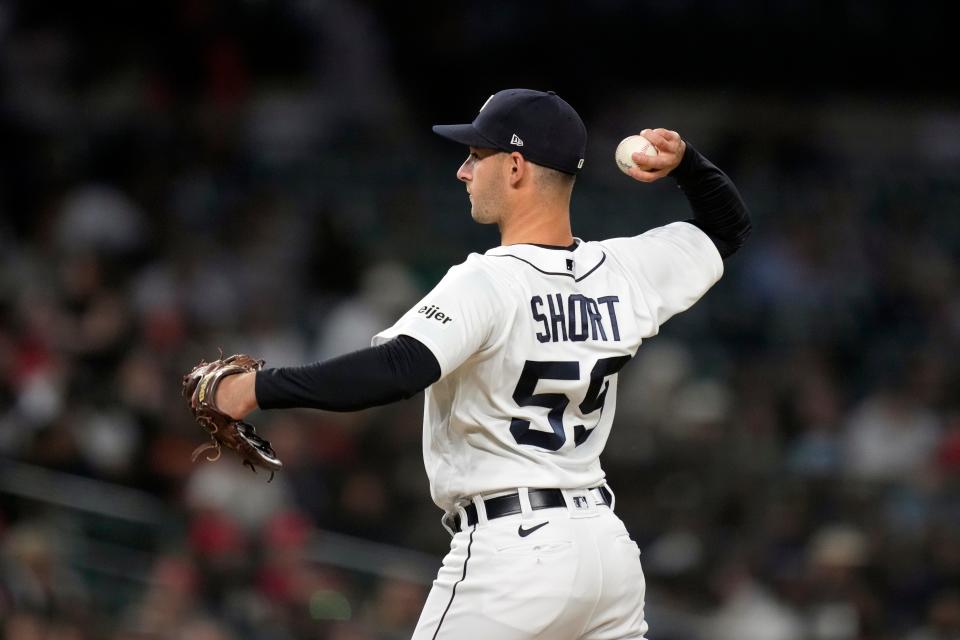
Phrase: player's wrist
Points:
(236, 395)
(688, 165)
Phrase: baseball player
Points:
(519, 351)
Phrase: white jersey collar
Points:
(576, 263)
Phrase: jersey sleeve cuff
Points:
(709, 249)
(393, 332)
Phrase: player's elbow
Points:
(739, 235)
(728, 238)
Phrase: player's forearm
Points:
(718, 209)
(367, 378)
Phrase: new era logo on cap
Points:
(553, 133)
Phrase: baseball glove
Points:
(200, 388)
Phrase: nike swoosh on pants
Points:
(525, 532)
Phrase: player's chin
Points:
(481, 216)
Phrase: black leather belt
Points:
(510, 504)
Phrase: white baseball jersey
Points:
(530, 340)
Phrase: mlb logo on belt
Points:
(580, 502)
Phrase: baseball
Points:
(629, 146)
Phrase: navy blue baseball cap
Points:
(540, 125)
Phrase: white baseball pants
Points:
(577, 577)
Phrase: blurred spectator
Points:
(841, 608)
(170, 598)
(387, 291)
(24, 626)
(750, 612)
(890, 436)
(202, 629)
(100, 219)
(233, 489)
(816, 450)
(943, 619)
(34, 575)
(396, 607)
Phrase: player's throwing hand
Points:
(670, 147)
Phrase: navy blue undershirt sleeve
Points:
(718, 209)
(394, 370)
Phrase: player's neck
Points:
(538, 226)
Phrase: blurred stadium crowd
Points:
(787, 454)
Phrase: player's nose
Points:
(463, 173)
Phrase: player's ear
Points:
(518, 168)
